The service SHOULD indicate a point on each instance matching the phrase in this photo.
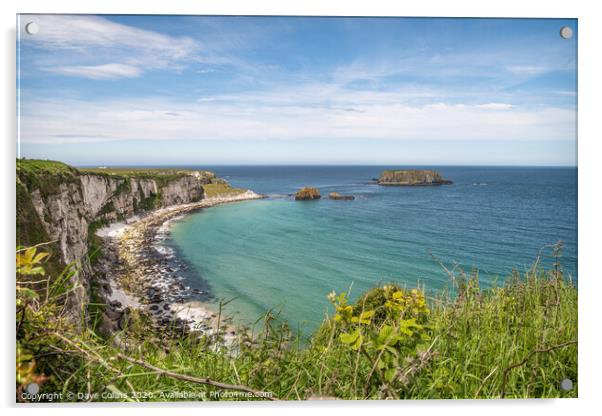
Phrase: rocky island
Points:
(338, 196)
(412, 177)
(307, 194)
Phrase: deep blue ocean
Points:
(287, 255)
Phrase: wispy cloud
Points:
(529, 69)
(495, 106)
(294, 113)
(101, 42)
(503, 67)
(106, 71)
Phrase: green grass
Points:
(37, 167)
(221, 189)
(516, 340)
(485, 333)
(45, 175)
(133, 171)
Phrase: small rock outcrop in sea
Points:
(336, 195)
(307, 193)
(412, 177)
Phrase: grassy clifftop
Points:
(52, 198)
(162, 176)
(38, 168)
(45, 175)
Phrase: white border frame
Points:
(590, 285)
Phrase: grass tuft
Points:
(214, 190)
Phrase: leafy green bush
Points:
(41, 311)
(392, 328)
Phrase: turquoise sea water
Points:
(286, 254)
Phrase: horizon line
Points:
(322, 164)
(401, 164)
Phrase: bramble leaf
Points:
(349, 338)
(364, 318)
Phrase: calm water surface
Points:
(285, 254)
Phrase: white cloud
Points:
(106, 71)
(528, 69)
(72, 40)
(290, 113)
(495, 106)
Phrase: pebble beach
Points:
(144, 274)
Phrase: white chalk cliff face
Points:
(182, 191)
(68, 210)
(63, 215)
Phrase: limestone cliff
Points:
(56, 202)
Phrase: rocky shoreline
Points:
(144, 274)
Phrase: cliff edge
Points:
(61, 204)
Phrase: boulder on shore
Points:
(336, 195)
(412, 177)
(307, 193)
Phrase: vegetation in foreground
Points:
(515, 340)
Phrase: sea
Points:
(286, 256)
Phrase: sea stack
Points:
(412, 177)
(336, 195)
(307, 193)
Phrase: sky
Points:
(191, 90)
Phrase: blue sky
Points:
(277, 90)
